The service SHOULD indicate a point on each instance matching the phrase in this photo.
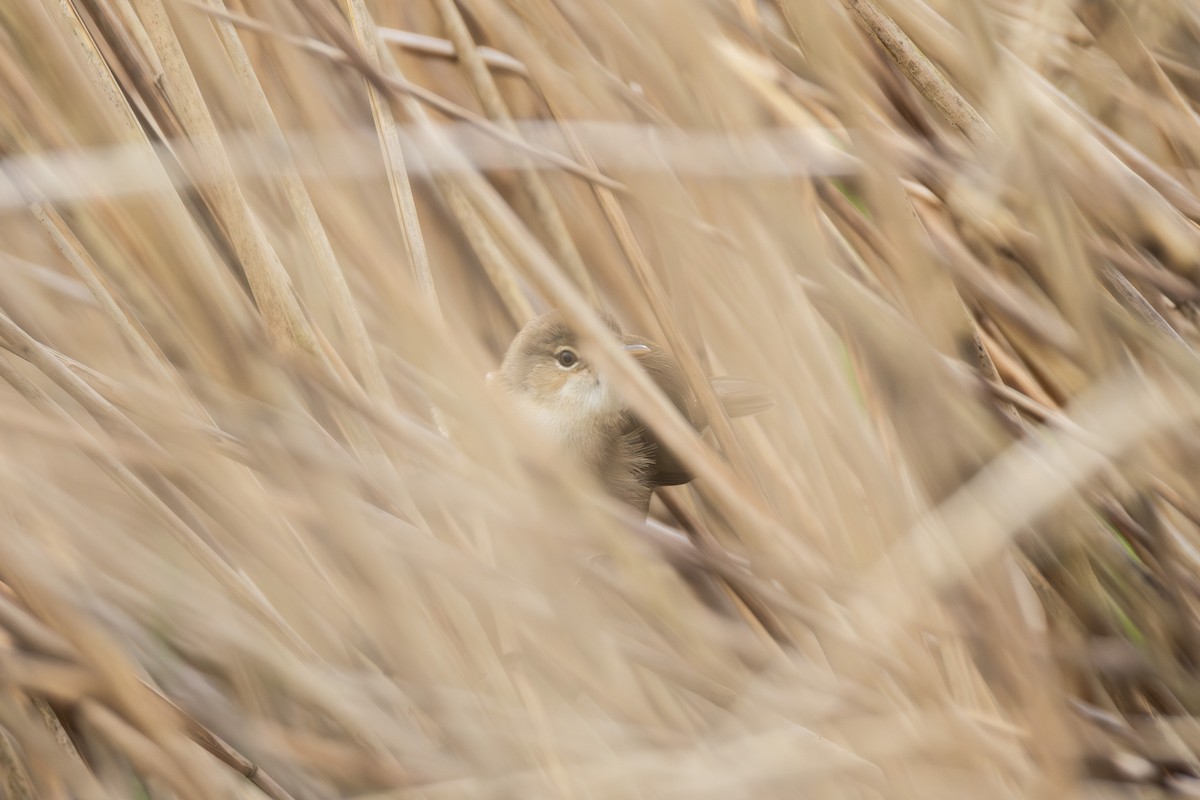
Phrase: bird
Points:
(577, 407)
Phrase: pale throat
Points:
(580, 416)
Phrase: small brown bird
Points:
(580, 410)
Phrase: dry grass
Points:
(264, 532)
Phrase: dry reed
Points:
(266, 534)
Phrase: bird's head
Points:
(545, 370)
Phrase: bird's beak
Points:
(638, 350)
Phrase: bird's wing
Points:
(668, 470)
(665, 371)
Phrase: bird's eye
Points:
(566, 358)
